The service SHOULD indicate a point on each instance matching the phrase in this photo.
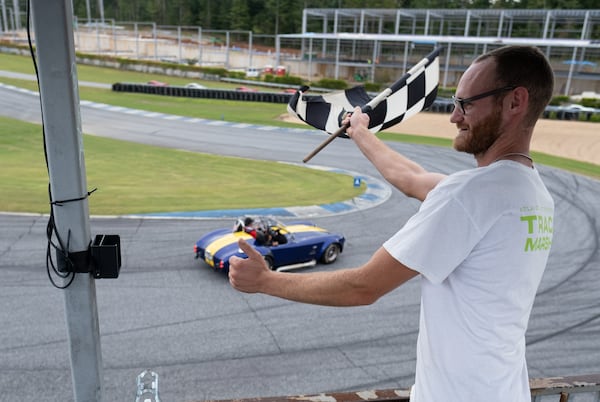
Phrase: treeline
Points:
(270, 17)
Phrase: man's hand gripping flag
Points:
(414, 91)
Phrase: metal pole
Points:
(59, 95)
(137, 40)
(179, 56)
(250, 49)
(310, 50)
(17, 15)
(374, 58)
(227, 50)
(570, 75)
(4, 19)
(115, 41)
(98, 46)
(447, 66)
(154, 34)
(101, 9)
(337, 60)
(277, 49)
(200, 46)
(88, 11)
(405, 62)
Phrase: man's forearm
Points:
(333, 288)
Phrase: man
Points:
(479, 242)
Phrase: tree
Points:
(270, 17)
(239, 18)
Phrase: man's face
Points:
(480, 124)
(478, 136)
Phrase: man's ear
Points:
(519, 99)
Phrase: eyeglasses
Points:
(462, 102)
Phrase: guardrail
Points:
(225, 94)
(558, 389)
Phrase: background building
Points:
(361, 45)
(378, 45)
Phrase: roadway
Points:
(169, 313)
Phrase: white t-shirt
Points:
(481, 241)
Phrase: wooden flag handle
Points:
(329, 139)
(365, 109)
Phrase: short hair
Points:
(524, 66)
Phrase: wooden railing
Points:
(565, 387)
(561, 387)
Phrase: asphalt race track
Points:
(169, 313)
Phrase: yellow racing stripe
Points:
(303, 228)
(226, 240)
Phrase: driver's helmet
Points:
(238, 226)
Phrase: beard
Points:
(480, 136)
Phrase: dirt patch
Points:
(570, 139)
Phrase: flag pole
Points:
(328, 140)
(377, 100)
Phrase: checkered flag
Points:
(413, 92)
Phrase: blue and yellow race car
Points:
(284, 247)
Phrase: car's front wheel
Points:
(331, 253)
(269, 261)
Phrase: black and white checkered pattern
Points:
(412, 93)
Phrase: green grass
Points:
(136, 178)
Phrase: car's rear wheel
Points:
(331, 253)
(269, 261)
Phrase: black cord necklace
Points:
(515, 154)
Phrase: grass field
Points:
(137, 178)
(173, 183)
